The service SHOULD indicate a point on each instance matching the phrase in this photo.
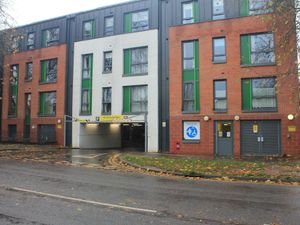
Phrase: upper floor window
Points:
(107, 67)
(86, 66)
(259, 94)
(31, 40)
(188, 13)
(109, 25)
(255, 7)
(88, 30)
(28, 75)
(220, 95)
(16, 44)
(47, 103)
(13, 90)
(219, 50)
(135, 99)
(50, 37)
(257, 49)
(136, 21)
(106, 100)
(188, 55)
(136, 61)
(218, 9)
(49, 71)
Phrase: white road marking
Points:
(79, 200)
(86, 156)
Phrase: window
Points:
(88, 30)
(220, 95)
(86, 84)
(109, 25)
(189, 12)
(136, 21)
(136, 61)
(106, 101)
(191, 131)
(255, 7)
(190, 75)
(135, 99)
(86, 66)
(30, 41)
(257, 49)
(13, 90)
(218, 9)
(188, 55)
(219, 50)
(16, 44)
(27, 108)
(107, 68)
(50, 37)
(85, 101)
(47, 103)
(28, 76)
(259, 94)
(49, 71)
(188, 97)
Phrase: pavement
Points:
(33, 193)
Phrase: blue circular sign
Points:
(191, 132)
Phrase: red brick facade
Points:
(35, 87)
(233, 72)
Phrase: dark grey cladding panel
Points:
(118, 12)
(37, 28)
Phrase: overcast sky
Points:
(29, 11)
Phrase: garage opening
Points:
(133, 136)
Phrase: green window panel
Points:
(127, 62)
(86, 84)
(43, 71)
(244, 7)
(192, 75)
(245, 49)
(127, 99)
(196, 11)
(128, 23)
(247, 94)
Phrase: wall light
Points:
(290, 117)
(236, 117)
(206, 118)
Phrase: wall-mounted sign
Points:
(292, 128)
(255, 128)
(114, 119)
(191, 130)
(58, 126)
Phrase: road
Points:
(43, 194)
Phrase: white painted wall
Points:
(117, 44)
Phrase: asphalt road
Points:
(42, 194)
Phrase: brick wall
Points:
(287, 85)
(34, 87)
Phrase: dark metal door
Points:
(260, 137)
(12, 133)
(224, 138)
(47, 134)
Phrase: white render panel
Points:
(116, 80)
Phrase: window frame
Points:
(139, 28)
(106, 103)
(250, 46)
(263, 109)
(88, 104)
(135, 64)
(213, 50)
(13, 112)
(92, 32)
(259, 11)
(48, 43)
(44, 114)
(219, 16)
(47, 61)
(218, 98)
(131, 100)
(90, 67)
(111, 66)
(192, 19)
(28, 78)
(105, 27)
(31, 46)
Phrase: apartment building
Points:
(203, 77)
